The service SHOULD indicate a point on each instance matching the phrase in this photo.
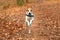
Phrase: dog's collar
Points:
(30, 15)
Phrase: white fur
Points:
(31, 20)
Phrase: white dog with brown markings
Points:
(29, 18)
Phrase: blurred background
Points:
(4, 4)
(46, 25)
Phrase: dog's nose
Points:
(29, 13)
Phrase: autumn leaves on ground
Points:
(46, 25)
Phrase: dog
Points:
(29, 18)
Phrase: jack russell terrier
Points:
(29, 18)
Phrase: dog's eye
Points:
(31, 10)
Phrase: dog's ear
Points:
(27, 10)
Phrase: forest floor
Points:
(46, 24)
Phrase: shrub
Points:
(47, 0)
(27, 1)
(20, 2)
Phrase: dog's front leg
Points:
(31, 20)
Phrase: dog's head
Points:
(29, 10)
